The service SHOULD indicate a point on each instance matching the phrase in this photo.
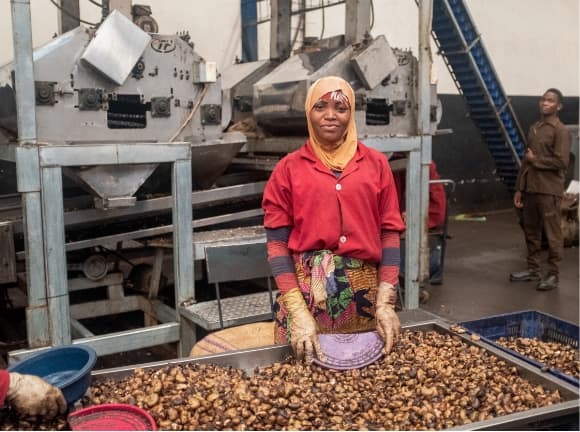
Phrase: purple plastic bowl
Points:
(350, 350)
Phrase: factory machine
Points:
(150, 88)
(117, 88)
(267, 98)
(113, 104)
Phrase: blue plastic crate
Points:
(527, 324)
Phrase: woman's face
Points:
(329, 119)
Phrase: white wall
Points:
(214, 25)
(533, 44)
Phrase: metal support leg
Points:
(424, 128)
(183, 248)
(219, 304)
(47, 221)
(28, 175)
(414, 226)
(56, 271)
(424, 232)
(156, 274)
(154, 282)
(37, 320)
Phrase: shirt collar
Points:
(552, 121)
(306, 151)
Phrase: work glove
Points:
(31, 395)
(388, 324)
(302, 326)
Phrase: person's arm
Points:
(522, 173)
(31, 395)
(303, 329)
(392, 226)
(4, 384)
(390, 257)
(280, 259)
(278, 220)
(561, 156)
(388, 324)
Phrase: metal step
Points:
(236, 311)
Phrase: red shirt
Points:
(344, 214)
(4, 384)
(437, 198)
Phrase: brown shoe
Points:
(550, 283)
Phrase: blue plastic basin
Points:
(67, 367)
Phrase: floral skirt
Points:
(340, 293)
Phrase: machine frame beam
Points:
(423, 129)
(357, 20)
(28, 176)
(280, 29)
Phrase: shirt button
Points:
(342, 239)
(338, 186)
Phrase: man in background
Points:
(539, 190)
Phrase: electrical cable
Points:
(298, 28)
(71, 15)
(96, 3)
(323, 20)
(117, 254)
(193, 110)
(372, 16)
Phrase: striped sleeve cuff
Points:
(390, 257)
(280, 259)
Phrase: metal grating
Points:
(237, 310)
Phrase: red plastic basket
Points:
(109, 417)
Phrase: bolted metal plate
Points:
(116, 48)
(374, 63)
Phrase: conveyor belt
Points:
(463, 51)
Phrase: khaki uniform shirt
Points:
(550, 142)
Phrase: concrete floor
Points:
(478, 261)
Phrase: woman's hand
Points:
(302, 327)
(388, 324)
(31, 395)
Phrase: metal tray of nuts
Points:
(423, 374)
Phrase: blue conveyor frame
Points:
(462, 49)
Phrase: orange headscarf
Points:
(338, 158)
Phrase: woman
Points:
(333, 224)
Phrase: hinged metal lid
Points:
(117, 46)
